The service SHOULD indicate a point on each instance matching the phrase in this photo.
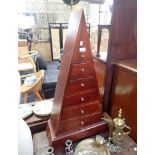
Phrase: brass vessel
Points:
(116, 128)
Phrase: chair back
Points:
(27, 59)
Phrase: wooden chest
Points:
(77, 108)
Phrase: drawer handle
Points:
(82, 111)
(82, 56)
(82, 122)
(82, 70)
(82, 99)
(82, 84)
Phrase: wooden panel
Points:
(81, 85)
(83, 70)
(124, 95)
(22, 50)
(100, 68)
(81, 98)
(81, 110)
(81, 56)
(74, 124)
(129, 64)
(22, 43)
(123, 32)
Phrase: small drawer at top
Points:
(81, 85)
(83, 70)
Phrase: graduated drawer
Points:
(81, 57)
(75, 86)
(81, 111)
(78, 123)
(83, 70)
(81, 98)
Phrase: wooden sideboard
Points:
(124, 93)
(118, 81)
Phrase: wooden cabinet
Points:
(82, 97)
(77, 107)
(79, 85)
(124, 93)
(82, 70)
(122, 43)
(120, 79)
(80, 111)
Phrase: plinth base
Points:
(59, 140)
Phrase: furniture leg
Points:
(38, 96)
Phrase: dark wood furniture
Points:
(100, 68)
(121, 62)
(121, 77)
(123, 31)
(77, 108)
(124, 93)
(122, 41)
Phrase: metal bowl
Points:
(91, 147)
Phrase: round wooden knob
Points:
(82, 70)
(82, 122)
(82, 56)
(82, 99)
(82, 111)
(82, 84)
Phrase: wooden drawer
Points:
(82, 56)
(83, 70)
(81, 111)
(78, 123)
(82, 97)
(81, 85)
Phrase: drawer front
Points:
(76, 124)
(81, 111)
(83, 70)
(81, 98)
(82, 57)
(81, 85)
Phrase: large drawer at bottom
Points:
(78, 123)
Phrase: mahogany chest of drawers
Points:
(77, 109)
